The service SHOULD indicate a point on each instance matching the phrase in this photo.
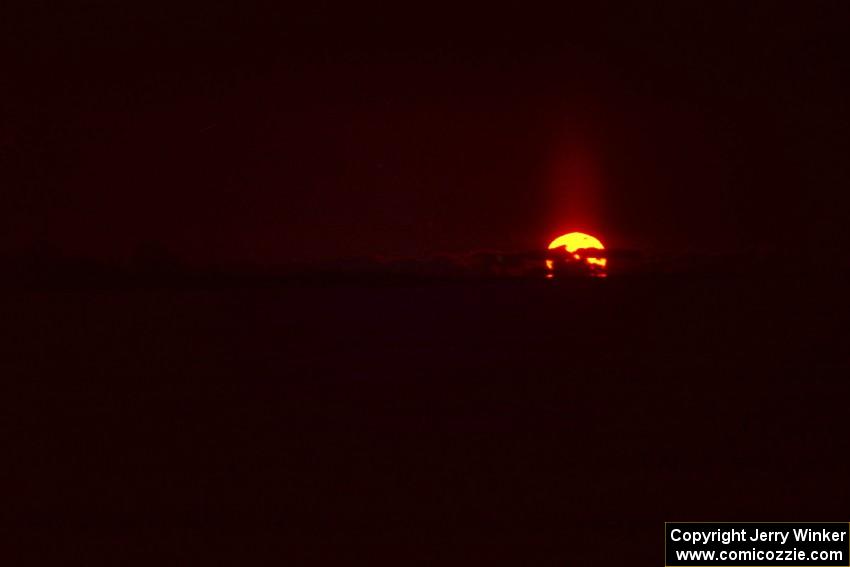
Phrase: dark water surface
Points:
(434, 423)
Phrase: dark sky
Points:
(261, 132)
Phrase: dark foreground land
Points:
(503, 422)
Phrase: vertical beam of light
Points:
(574, 189)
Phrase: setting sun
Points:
(572, 242)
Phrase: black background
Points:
(255, 132)
(150, 419)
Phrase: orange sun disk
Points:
(573, 241)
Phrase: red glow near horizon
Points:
(575, 183)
